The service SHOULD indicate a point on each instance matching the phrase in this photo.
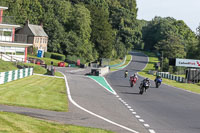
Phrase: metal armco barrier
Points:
(15, 74)
(170, 76)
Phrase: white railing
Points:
(14, 58)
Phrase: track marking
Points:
(146, 125)
(151, 131)
(131, 109)
(103, 118)
(134, 113)
(141, 120)
(111, 90)
(137, 116)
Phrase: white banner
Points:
(187, 63)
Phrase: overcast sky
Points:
(186, 10)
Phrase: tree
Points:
(197, 51)
(160, 29)
(102, 34)
(171, 47)
(123, 19)
(80, 23)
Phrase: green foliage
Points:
(75, 58)
(86, 29)
(165, 65)
(127, 28)
(171, 47)
(197, 50)
(170, 36)
(34, 52)
(47, 54)
(102, 34)
(58, 56)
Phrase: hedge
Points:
(75, 58)
(47, 54)
(58, 56)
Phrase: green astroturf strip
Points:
(102, 81)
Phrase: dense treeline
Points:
(171, 39)
(90, 29)
(94, 29)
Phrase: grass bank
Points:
(41, 70)
(48, 60)
(128, 59)
(14, 123)
(150, 66)
(7, 66)
(36, 92)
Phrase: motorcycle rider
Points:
(134, 76)
(158, 79)
(126, 73)
(133, 79)
(146, 80)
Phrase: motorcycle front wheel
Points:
(141, 90)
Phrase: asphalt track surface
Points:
(166, 109)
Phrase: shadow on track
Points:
(131, 93)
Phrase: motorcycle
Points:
(132, 81)
(143, 87)
(158, 82)
(125, 74)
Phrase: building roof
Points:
(37, 30)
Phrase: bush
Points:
(58, 56)
(75, 58)
(47, 54)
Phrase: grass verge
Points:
(37, 92)
(49, 60)
(41, 70)
(128, 59)
(7, 66)
(150, 66)
(117, 61)
(14, 123)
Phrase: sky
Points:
(186, 10)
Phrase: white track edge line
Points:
(105, 119)
(110, 86)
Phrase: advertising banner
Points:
(188, 63)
